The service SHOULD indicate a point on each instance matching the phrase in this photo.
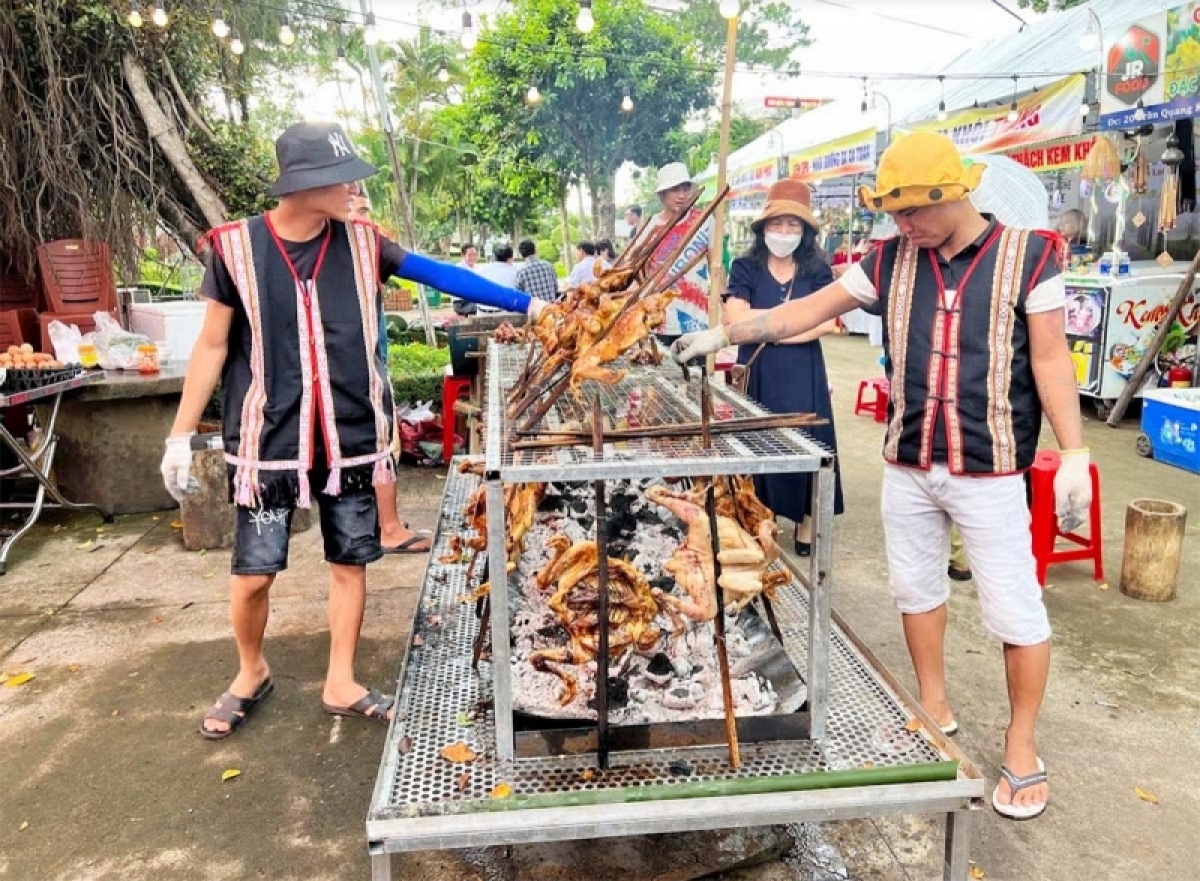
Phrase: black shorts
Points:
(349, 528)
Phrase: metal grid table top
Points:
(51, 389)
(438, 691)
(665, 399)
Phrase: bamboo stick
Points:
(552, 439)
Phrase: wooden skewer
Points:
(565, 438)
(691, 264)
(601, 592)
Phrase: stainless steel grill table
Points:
(868, 763)
(36, 463)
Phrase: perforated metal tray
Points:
(422, 801)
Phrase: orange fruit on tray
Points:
(14, 350)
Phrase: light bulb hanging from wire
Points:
(135, 15)
(159, 16)
(468, 39)
(443, 74)
(1013, 116)
(286, 35)
(1139, 112)
(627, 101)
(729, 8)
(236, 46)
(370, 32)
(533, 95)
(220, 28)
(585, 21)
(942, 114)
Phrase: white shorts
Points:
(993, 518)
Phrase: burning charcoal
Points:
(585, 523)
(552, 504)
(681, 768)
(579, 507)
(681, 693)
(618, 694)
(554, 632)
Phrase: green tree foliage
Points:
(1049, 5)
(578, 128)
(769, 32)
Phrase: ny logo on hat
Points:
(340, 147)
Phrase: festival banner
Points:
(1152, 72)
(853, 154)
(748, 185)
(1054, 157)
(1045, 115)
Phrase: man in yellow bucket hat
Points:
(976, 352)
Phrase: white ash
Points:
(690, 689)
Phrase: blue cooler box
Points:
(1171, 420)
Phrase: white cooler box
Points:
(176, 324)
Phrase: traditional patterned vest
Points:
(966, 362)
(303, 358)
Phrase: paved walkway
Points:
(104, 777)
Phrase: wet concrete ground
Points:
(103, 775)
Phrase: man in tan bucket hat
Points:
(976, 352)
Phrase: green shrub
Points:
(416, 371)
(547, 250)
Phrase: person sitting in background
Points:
(470, 258)
(605, 253)
(784, 263)
(633, 219)
(585, 261)
(537, 277)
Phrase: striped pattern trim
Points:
(933, 383)
(1006, 291)
(238, 255)
(954, 435)
(306, 393)
(328, 414)
(900, 292)
(364, 242)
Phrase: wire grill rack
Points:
(662, 398)
(438, 690)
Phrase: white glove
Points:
(1073, 489)
(536, 305)
(176, 465)
(699, 344)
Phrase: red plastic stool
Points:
(453, 388)
(1044, 521)
(877, 404)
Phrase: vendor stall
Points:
(1111, 321)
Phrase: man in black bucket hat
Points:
(291, 331)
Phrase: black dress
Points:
(787, 378)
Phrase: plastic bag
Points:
(66, 339)
(116, 348)
(422, 412)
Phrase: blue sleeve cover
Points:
(462, 283)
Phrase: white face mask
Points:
(782, 244)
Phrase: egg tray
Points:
(22, 380)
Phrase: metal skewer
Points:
(601, 593)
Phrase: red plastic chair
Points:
(1044, 521)
(877, 404)
(18, 326)
(77, 275)
(16, 293)
(453, 388)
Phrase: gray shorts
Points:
(349, 528)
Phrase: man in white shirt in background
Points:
(585, 265)
(500, 270)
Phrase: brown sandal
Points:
(234, 710)
(373, 700)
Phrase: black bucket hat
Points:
(316, 154)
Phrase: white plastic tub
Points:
(176, 324)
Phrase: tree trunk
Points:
(567, 252)
(604, 212)
(171, 144)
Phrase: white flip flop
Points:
(950, 728)
(1016, 784)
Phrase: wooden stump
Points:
(1153, 547)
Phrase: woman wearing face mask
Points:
(789, 376)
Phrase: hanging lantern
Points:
(1103, 163)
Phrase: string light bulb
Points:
(135, 15)
(370, 32)
(1139, 112)
(159, 16)
(468, 39)
(443, 75)
(585, 21)
(286, 35)
(220, 28)
(533, 95)
(942, 114)
(236, 46)
(729, 8)
(627, 101)
(1084, 107)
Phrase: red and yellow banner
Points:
(748, 185)
(1070, 153)
(1046, 115)
(853, 154)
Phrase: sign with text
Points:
(748, 185)
(1155, 63)
(853, 154)
(1054, 157)
(779, 102)
(1049, 114)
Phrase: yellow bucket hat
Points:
(919, 169)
